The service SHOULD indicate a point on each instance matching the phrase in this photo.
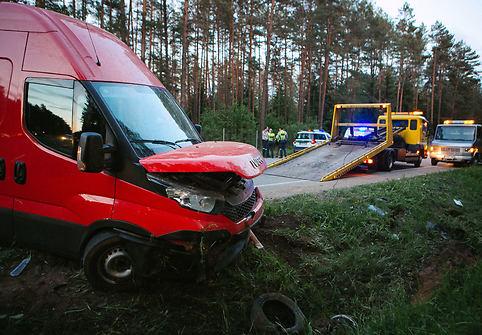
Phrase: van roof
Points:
(459, 125)
(59, 44)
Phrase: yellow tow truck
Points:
(361, 134)
(410, 142)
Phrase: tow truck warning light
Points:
(459, 122)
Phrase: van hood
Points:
(456, 144)
(241, 159)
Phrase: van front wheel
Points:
(107, 263)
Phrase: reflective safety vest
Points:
(271, 136)
(282, 135)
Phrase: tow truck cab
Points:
(457, 141)
(98, 162)
(410, 136)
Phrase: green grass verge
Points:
(329, 252)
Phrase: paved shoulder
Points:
(276, 187)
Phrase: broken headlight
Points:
(193, 200)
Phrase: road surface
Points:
(276, 187)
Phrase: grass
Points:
(329, 252)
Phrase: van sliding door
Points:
(55, 203)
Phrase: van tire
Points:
(107, 264)
(262, 318)
(433, 161)
(475, 160)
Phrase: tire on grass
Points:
(274, 313)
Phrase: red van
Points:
(98, 162)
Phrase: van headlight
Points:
(193, 200)
(470, 150)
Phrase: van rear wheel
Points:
(107, 263)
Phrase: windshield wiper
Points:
(168, 143)
(192, 140)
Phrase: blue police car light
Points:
(362, 129)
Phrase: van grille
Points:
(239, 212)
(451, 150)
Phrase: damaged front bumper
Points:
(191, 254)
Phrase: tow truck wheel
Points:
(418, 162)
(433, 161)
(386, 161)
(107, 264)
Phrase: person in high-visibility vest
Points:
(264, 140)
(282, 138)
(271, 139)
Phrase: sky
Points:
(463, 18)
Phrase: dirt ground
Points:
(56, 287)
(454, 255)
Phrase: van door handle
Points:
(2, 168)
(20, 172)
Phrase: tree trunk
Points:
(325, 73)
(151, 20)
(264, 104)
(440, 88)
(74, 7)
(301, 94)
(250, 60)
(185, 47)
(84, 10)
(143, 31)
(166, 45)
(41, 3)
(434, 62)
(101, 13)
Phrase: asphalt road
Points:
(276, 187)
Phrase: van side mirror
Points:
(90, 153)
(199, 128)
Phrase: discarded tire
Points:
(274, 313)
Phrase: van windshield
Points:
(455, 133)
(149, 116)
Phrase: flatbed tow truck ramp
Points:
(353, 143)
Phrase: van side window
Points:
(48, 114)
(413, 124)
(58, 111)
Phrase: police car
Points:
(306, 139)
